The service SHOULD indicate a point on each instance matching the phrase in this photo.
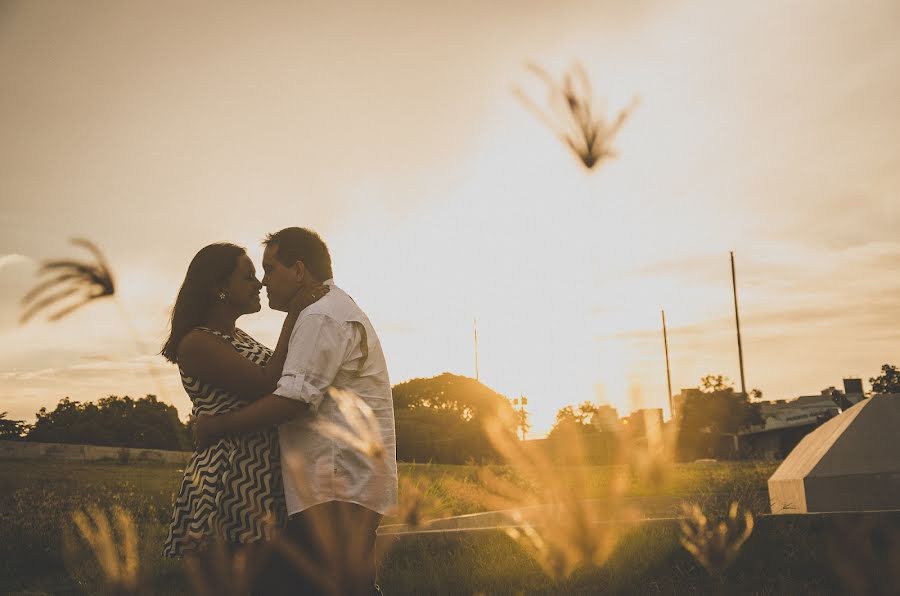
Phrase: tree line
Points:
(112, 421)
(439, 419)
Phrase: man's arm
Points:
(317, 348)
(264, 413)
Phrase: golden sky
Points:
(766, 128)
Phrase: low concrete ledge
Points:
(667, 507)
(502, 520)
(89, 453)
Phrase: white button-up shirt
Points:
(333, 344)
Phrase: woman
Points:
(231, 491)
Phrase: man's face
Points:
(281, 282)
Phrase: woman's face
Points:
(242, 291)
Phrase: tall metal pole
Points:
(737, 322)
(668, 372)
(475, 332)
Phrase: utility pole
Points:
(475, 332)
(737, 322)
(668, 372)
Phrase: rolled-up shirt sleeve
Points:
(318, 344)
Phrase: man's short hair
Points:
(300, 244)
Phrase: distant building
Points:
(605, 418)
(805, 409)
(681, 398)
(787, 422)
(640, 420)
(853, 390)
(773, 443)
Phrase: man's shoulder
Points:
(337, 305)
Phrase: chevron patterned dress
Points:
(232, 490)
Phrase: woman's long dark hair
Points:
(209, 270)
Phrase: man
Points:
(336, 494)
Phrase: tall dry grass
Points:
(575, 116)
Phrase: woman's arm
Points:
(211, 358)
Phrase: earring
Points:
(221, 296)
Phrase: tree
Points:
(567, 415)
(711, 419)
(715, 383)
(596, 426)
(12, 430)
(888, 381)
(442, 419)
(114, 421)
(588, 415)
(467, 397)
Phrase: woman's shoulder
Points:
(201, 339)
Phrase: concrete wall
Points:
(88, 453)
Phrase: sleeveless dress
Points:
(231, 491)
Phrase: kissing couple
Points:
(278, 473)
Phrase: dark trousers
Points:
(327, 549)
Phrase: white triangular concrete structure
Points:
(850, 463)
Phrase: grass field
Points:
(37, 499)
(855, 554)
(847, 554)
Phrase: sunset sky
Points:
(771, 129)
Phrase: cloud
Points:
(92, 368)
(11, 259)
(97, 358)
(705, 268)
